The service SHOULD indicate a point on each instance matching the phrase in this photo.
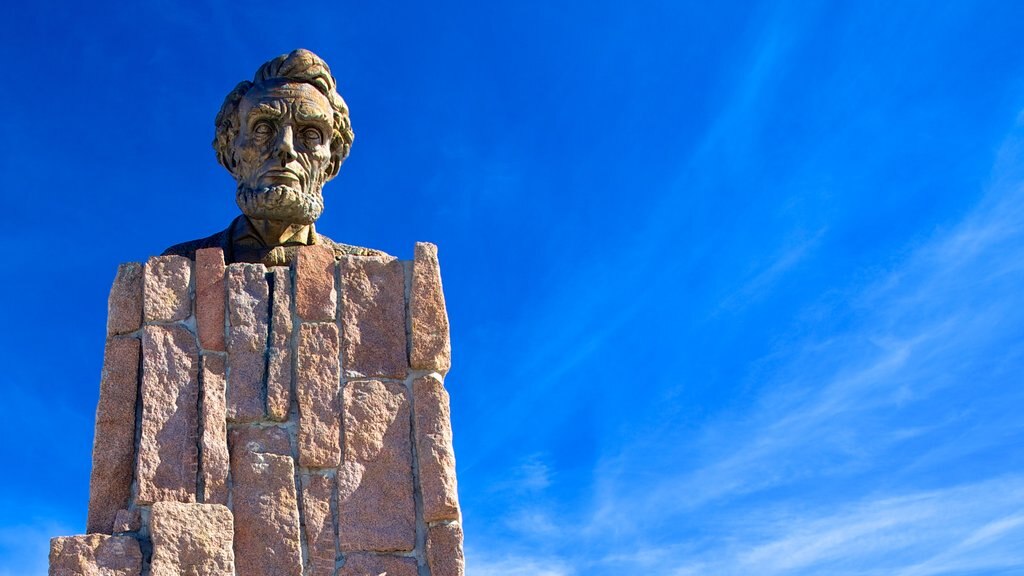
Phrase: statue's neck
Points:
(276, 233)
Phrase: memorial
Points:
(272, 402)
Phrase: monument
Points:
(272, 402)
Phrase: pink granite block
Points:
(266, 513)
(211, 298)
(191, 540)
(124, 306)
(373, 317)
(444, 550)
(317, 379)
(215, 461)
(95, 555)
(357, 564)
(315, 295)
(430, 348)
(165, 289)
(432, 423)
(319, 524)
(376, 510)
(279, 359)
(113, 448)
(127, 521)
(248, 315)
(168, 464)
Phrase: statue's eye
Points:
(263, 130)
(312, 135)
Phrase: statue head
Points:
(282, 136)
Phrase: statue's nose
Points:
(286, 146)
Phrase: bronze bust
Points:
(282, 136)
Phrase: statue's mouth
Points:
(278, 175)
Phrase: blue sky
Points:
(735, 288)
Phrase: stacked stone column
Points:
(290, 421)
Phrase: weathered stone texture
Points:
(262, 440)
(113, 447)
(317, 378)
(127, 521)
(315, 295)
(191, 540)
(376, 565)
(166, 297)
(430, 347)
(266, 514)
(375, 487)
(248, 312)
(373, 317)
(279, 365)
(168, 450)
(444, 550)
(211, 298)
(215, 462)
(434, 449)
(319, 524)
(95, 555)
(124, 306)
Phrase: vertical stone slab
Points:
(268, 440)
(376, 511)
(128, 521)
(279, 363)
(165, 289)
(95, 555)
(373, 317)
(124, 306)
(248, 314)
(191, 540)
(444, 550)
(168, 450)
(266, 514)
(319, 524)
(211, 298)
(113, 445)
(433, 429)
(315, 296)
(430, 347)
(214, 441)
(317, 378)
(374, 565)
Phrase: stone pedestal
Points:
(290, 421)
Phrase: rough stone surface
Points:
(444, 550)
(211, 298)
(124, 306)
(127, 521)
(168, 449)
(279, 364)
(434, 449)
(248, 311)
(266, 514)
(113, 447)
(262, 440)
(95, 555)
(375, 565)
(373, 317)
(166, 297)
(315, 295)
(317, 377)
(191, 540)
(430, 347)
(318, 524)
(215, 462)
(375, 489)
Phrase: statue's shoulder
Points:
(188, 249)
(348, 249)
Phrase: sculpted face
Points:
(283, 152)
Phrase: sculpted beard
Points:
(281, 203)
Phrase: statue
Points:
(282, 137)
